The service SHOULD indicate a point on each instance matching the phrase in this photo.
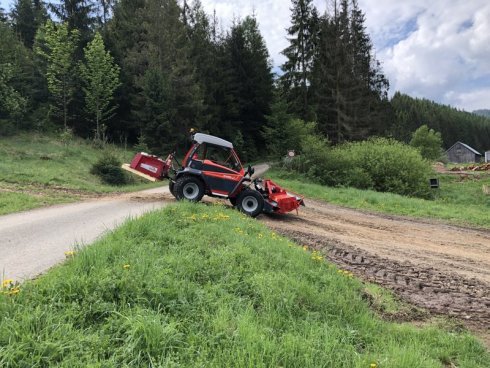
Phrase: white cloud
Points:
(444, 56)
(437, 49)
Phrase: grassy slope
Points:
(204, 286)
(459, 202)
(39, 170)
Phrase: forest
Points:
(146, 71)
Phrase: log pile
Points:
(476, 167)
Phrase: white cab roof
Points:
(205, 138)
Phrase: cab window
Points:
(219, 155)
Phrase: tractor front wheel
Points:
(189, 188)
(250, 202)
(171, 185)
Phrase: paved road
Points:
(33, 241)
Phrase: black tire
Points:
(171, 186)
(189, 188)
(250, 202)
(233, 201)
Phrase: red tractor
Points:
(212, 167)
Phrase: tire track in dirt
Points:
(443, 268)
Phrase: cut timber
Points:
(136, 172)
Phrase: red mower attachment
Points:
(150, 167)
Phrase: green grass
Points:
(458, 201)
(206, 287)
(37, 170)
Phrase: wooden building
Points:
(462, 153)
(487, 156)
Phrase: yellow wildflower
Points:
(373, 365)
(261, 235)
(14, 291)
(305, 248)
(126, 266)
(7, 283)
(69, 253)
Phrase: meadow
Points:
(39, 170)
(196, 285)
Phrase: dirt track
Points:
(443, 268)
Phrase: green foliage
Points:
(108, 168)
(27, 16)
(101, 78)
(239, 297)
(56, 44)
(454, 125)
(13, 65)
(282, 132)
(384, 165)
(428, 142)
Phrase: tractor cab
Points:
(213, 154)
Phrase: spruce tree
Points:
(251, 84)
(27, 16)
(79, 15)
(299, 54)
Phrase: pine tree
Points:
(57, 46)
(101, 78)
(104, 10)
(79, 15)
(27, 16)
(125, 38)
(299, 54)
(251, 84)
(165, 54)
(350, 90)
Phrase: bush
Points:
(108, 168)
(384, 165)
(428, 142)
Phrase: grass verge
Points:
(196, 286)
(459, 201)
(37, 170)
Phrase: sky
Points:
(437, 49)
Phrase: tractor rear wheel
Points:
(250, 202)
(189, 188)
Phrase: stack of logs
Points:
(476, 167)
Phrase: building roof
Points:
(205, 138)
(466, 146)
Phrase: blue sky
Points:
(437, 49)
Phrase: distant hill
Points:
(483, 112)
(455, 125)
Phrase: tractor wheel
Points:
(250, 202)
(233, 201)
(189, 188)
(171, 186)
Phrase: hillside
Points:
(455, 125)
(38, 170)
(483, 112)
